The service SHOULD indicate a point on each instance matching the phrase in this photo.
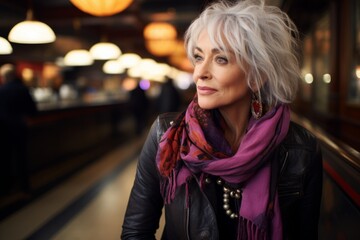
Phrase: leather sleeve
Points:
(309, 205)
(301, 212)
(145, 203)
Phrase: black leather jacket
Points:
(299, 190)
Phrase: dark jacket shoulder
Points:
(301, 149)
(164, 121)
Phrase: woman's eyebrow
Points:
(199, 49)
(214, 50)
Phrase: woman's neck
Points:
(236, 121)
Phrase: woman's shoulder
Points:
(299, 136)
(164, 121)
(302, 151)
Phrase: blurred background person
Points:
(169, 98)
(139, 104)
(16, 103)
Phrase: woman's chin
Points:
(207, 105)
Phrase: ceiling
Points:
(76, 29)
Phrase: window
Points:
(307, 69)
(322, 77)
(354, 86)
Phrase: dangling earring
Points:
(256, 106)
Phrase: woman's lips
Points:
(205, 90)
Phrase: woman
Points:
(232, 166)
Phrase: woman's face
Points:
(219, 80)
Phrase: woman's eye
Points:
(197, 57)
(221, 60)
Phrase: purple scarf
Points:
(195, 144)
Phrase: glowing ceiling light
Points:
(31, 32)
(5, 46)
(160, 38)
(357, 72)
(327, 78)
(309, 78)
(78, 57)
(101, 7)
(159, 30)
(161, 47)
(129, 60)
(113, 67)
(105, 51)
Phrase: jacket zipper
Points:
(187, 222)
(284, 163)
(187, 211)
(289, 194)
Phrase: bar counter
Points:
(66, 135)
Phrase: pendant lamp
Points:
(101, 8)
(78, 57)
(159, 30)
(161, 47)
(105, 51)
(5, 46)
(129, 60)
(160, 38)
(113, 67)
(31, 31)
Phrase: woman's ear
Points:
(256, 86)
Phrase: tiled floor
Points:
(89, 205)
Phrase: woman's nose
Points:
(203, 71)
